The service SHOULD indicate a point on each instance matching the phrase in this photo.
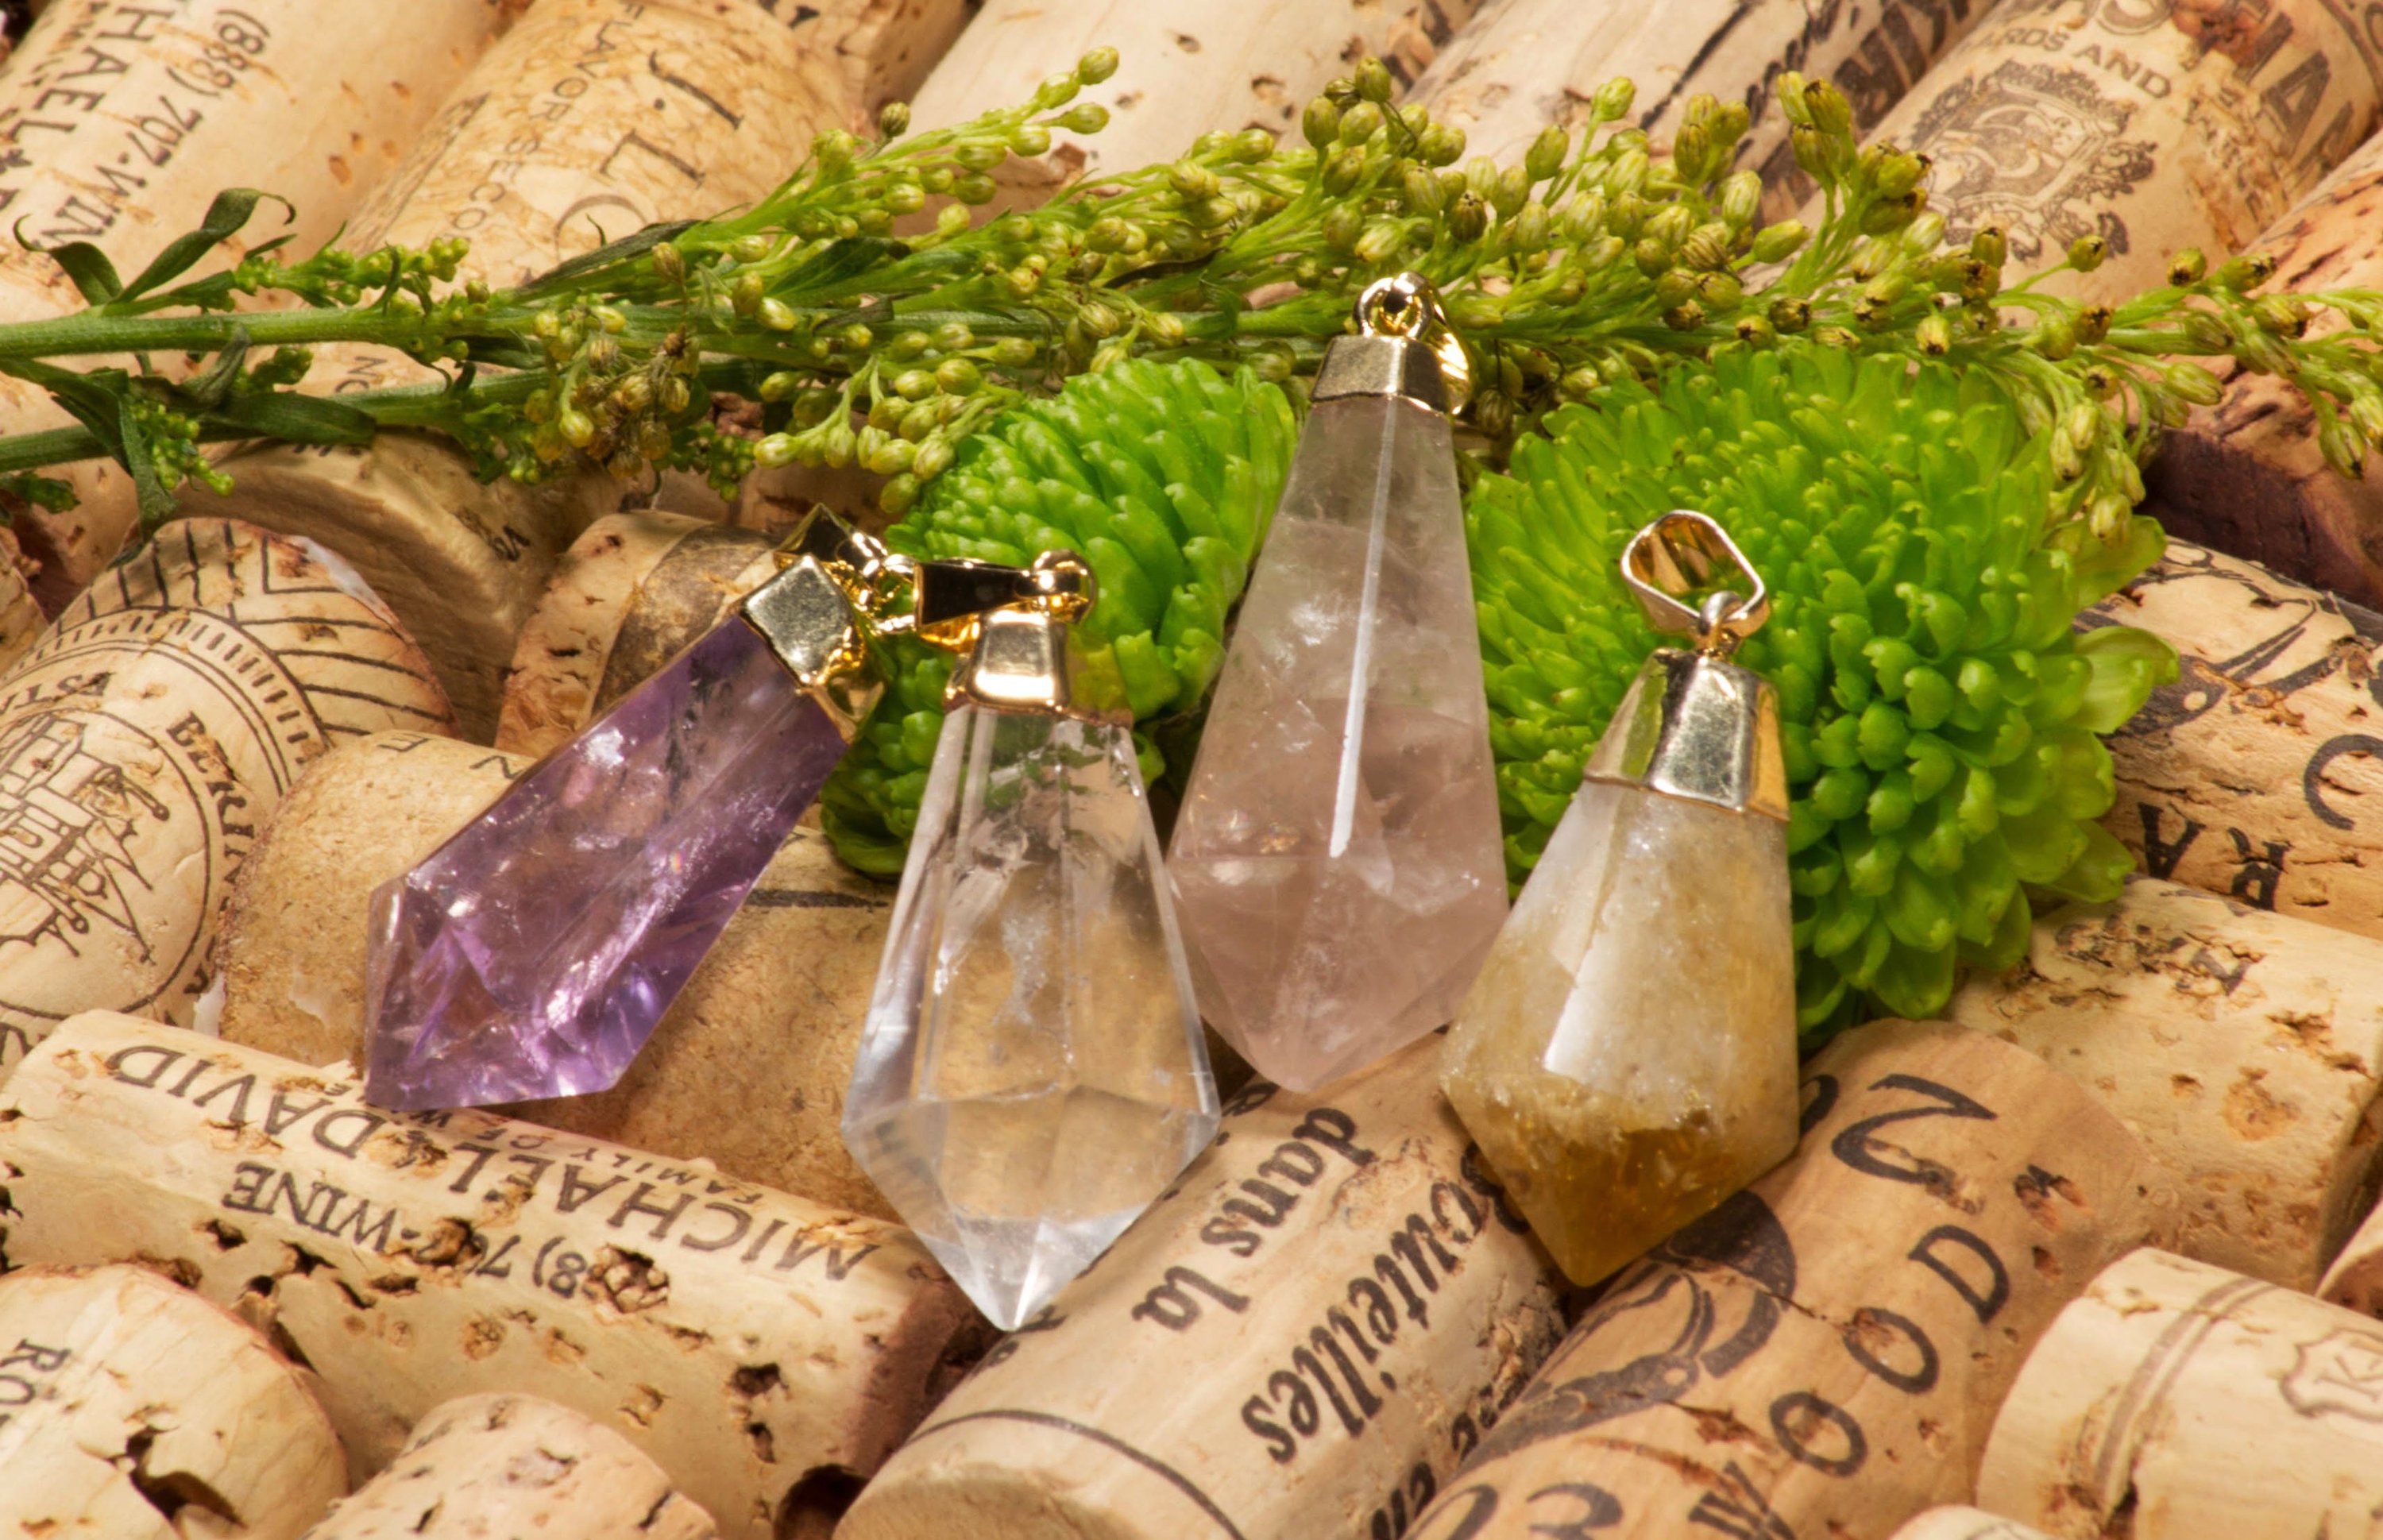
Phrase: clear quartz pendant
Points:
(1626, 1059)
(1032, 1074)
(1337, 860)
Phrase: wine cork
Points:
(2178, 1399)
(2246, 475)
(1525, 63)
(1225, 66)
(1818, 1356)
(145, 741)
(2153, 124)
(2355, 1279)
(591, 118)
(745, 1339)
(121, 119)
(747, 1068)
(2249, 776)
(625, 599)
(1303, 1337)
(2242, 1048)
(1967, 1523)
(126, 1401)
(20, 615)
(881, 48)
(488, 1465)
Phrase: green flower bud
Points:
(1097, 66)
(2093, 325)
(905, 198)
(1651, 255)
(749, 248)
(2342, 448)
(776, 315)
(1085, 118)
(1342, 168)
(1056, 90)
(1687, 315)
(2187, 266)
(1320, 124)
(1898, 174)
(2365, 414)
(1192, 180)
(887, 412)
(1934, 334)
(2242, 274)
(1099, 320)
(776, 450)
(1718, 290)
(1360, 123)
(1342, 224)
(2193, 382)
(1420, 190)
(913, 384)
(1613, 100)
(1707, 247)
(1778, 242)
(2282, 314)
(1726, 125)
(1468, 218)
(1381, 241)
(1832, 113)
(1755, 331)
(1790, 315)
(856, 338)
(1741, 199)
(1580, 383)
(833, 151)
(578, 429)
(894, 119)
(2056, 338)
(1990, 246)
(1373, 79)
(1527, 234)
(1582, 219)
(839, 445)
(975, 189)
(1676, 285)
(958, 376)
(1441, 145)
(951, 221)
(1691, 151)
(1812, 153)
(1547, 153)
(1030, 139)
(746, 293)
(2087, 253)
(898, 496)
(1789, 89)
(1251, 147)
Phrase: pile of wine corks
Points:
(2097, 1254)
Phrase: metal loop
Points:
(1679, 553)
(1406, 305)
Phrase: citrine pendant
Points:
(1031, 1074)
(1626, 1059)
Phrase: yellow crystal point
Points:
(1626, 1058)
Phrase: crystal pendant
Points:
(1337, 860)
(1626, 1059)
(1031, 1074)
(532, 955)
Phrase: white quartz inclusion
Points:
(1031, 1074)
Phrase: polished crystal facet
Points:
(532, 953)
(1337, 860)
(1627, 1058)
(1031, 1074)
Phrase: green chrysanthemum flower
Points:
(1940, 715)
(1165, 477)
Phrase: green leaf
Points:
(297, 418)
(566, 273)
(838, 264)
(156, 503)
(2128, 664)
(94, 277)
(231, 210)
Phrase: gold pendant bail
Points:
(1405, 347)
(1694, 725)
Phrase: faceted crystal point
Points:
(1032, 1074)
(1337, 860)
(533, 952)
(1627, 1057)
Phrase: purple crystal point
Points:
(533, 952)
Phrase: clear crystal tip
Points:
(1032, 1074)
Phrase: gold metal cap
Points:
(1403, 348)
(1694, 724)
(814, 612)
(1019, 652)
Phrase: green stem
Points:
(94, 332)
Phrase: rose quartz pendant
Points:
(1337, 863)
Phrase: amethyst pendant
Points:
(532, 955)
